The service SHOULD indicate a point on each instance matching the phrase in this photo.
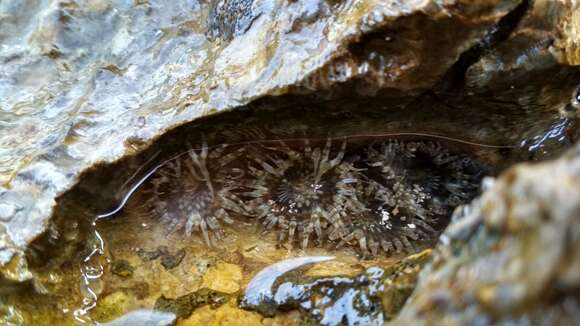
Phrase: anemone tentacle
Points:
(190, 194)
(406, 193)
(299, 193)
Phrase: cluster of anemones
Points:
(392, 196)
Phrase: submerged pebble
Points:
(168, 260)
(122, 268)
(184, 305)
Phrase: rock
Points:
(228, 18)
(11, 316)
(94, 83)
(113, 305)
(291, 318)
(224, 315)
(169, 261)
(513, 257)
(122, 268)
(223, 277)
(183, 306)
(566, 43)
(400, 281)
(333, 268)
(546, 34)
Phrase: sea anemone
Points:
(405, 195)
(188, 192)
(299, 192)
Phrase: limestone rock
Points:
(512, 256)
(223, 277)
(224, 315)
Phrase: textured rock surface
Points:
(223, 277)
(546, 34)
(513, 255)
(87, 82)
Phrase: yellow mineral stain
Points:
(223, 277)
(334, 268)
(112, 306)
(224, 315)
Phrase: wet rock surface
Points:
(511, 257)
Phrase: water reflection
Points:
(144, 318)
(92, 269)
